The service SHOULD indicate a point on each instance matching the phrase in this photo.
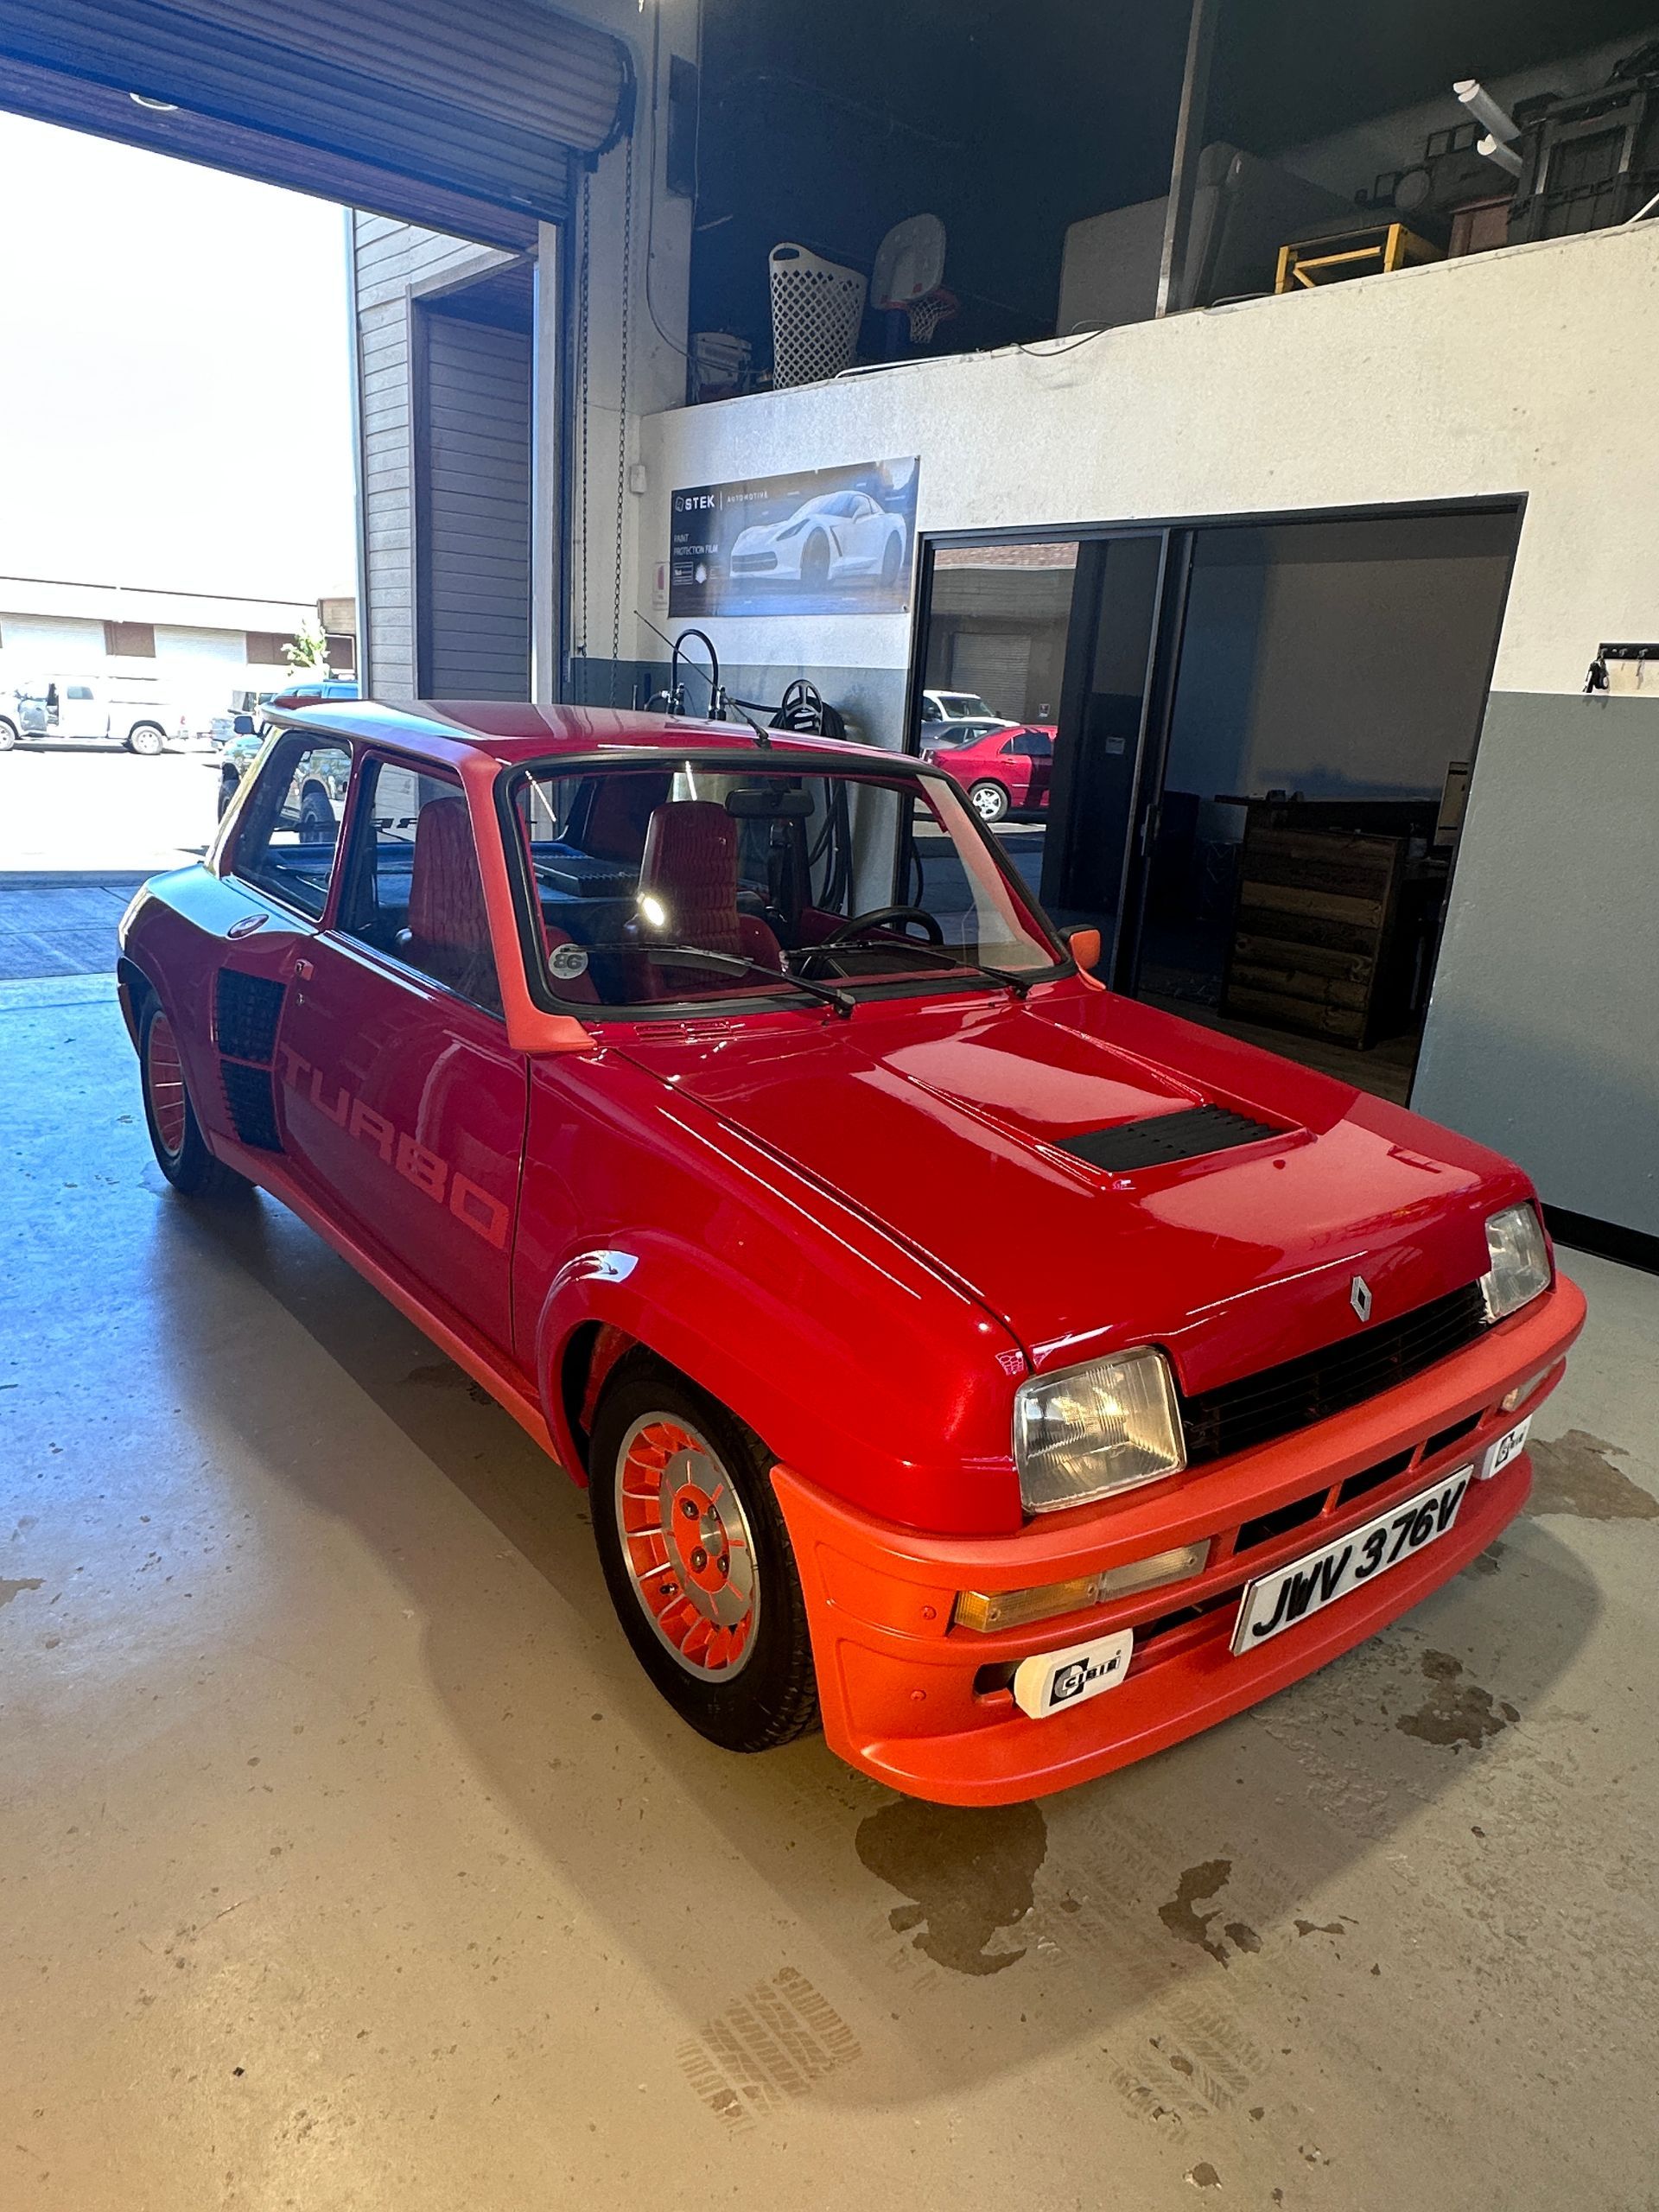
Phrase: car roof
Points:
(511, 732)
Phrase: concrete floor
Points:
(346, 1860)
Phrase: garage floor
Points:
(346, 1861)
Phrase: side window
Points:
(291, 829)
(413, 888)
(79, 691)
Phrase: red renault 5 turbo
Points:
(1014, 1376)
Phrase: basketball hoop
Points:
(927, 313)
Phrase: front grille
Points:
(1281, 1399)
(1189, 1134)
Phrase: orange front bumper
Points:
(918, 1703)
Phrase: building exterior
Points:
(198, 647)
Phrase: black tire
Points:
(815, 563)
(7, 736)
(229, 784)
(988, 799)
(770, 1696)
(147, 738)
(317, 816)
(186, 1162)
(892, 553)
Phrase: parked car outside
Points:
(1015, 1376)
(94, 710)
(937, 737)
(839, 537)
(241, 747)
(956, 707)
(1004, 771)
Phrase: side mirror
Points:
(1085, 946)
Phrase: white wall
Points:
(1529, 370)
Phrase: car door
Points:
(400, 1096)
(80, 714)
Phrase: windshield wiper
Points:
(843, 1001)
(1019, 984)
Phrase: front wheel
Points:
(181, 1150)
(7, 736)
(698, 1560)
(145, 738)
(989, 800)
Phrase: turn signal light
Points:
(986, 1610)
(1522, 1391)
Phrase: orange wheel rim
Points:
(165, 1076)
(687, 1546)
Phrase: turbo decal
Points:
(445, 1186)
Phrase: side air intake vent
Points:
(1166, 1137)
(253, 1111)
(246, 1009)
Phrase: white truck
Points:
(91, 710)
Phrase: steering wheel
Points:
(876, 917)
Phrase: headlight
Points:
(1089, 1431)
(1520, 1266)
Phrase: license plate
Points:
(1500, 1453)
(1307, 1586)
(1051, 1681)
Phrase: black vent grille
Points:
(247, 1010)
(253, 1109)
(1166, 1137)
(1281, 1399)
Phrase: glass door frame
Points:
(1119, 961)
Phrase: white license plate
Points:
(1307, 1586)
(1503, 1448)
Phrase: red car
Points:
(1003, 769)
(1011, 1375)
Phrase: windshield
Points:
(963, 706)
(686, 880)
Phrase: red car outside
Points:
(1011, 1375)
(1005, 770)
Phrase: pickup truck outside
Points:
(1013, 1377)
(92, 710)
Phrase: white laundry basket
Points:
(817, 307)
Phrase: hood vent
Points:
(1164, 1138)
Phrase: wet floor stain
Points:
(1455, 1712)
(1204, 2175)
(1576, 1475)
(1181, 1914)
(1320, 1927)
(969, 1871)
(444, 1374)
(11, 1590)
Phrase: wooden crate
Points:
(1313, 929)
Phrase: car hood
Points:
(940, 1118)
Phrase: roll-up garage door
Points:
(434, 113)
(471, 497)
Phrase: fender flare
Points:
(616, 1286)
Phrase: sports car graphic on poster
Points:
(829, 541)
